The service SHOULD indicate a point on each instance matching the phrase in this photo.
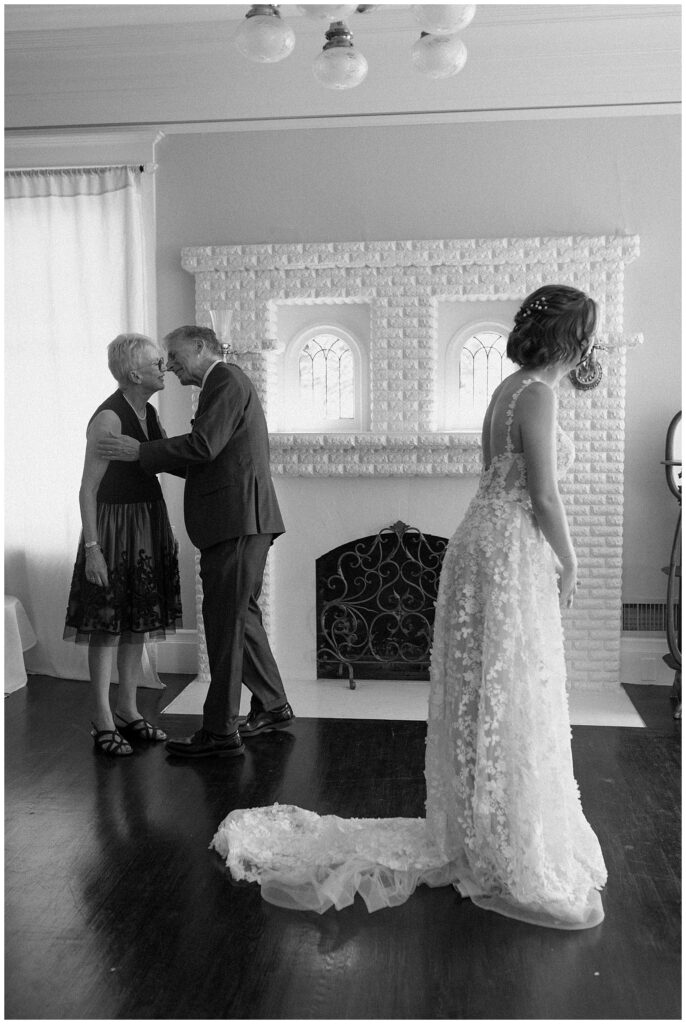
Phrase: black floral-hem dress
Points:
(143, 598)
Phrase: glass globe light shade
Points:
(265, 38)
(443, 19)
(340, 67)
(439, 56)
(329, 12)
(221, 323)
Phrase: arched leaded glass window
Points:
(324, 382)
(476, 364)
(326, 378)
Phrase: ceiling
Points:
(75, 67)
(52, 17)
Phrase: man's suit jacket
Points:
(225, 459)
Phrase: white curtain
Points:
(75, 277)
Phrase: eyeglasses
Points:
(161, 364)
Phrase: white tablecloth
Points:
(19, 637)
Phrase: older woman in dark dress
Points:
(125, 585)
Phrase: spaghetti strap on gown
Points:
(504, 822)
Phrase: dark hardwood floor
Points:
(655, 705)
(116, 909)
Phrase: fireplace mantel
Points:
(404, 284)
(367, 454)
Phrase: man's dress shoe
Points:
(265, 721)
(206, 744)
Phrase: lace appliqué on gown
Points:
(504, 821)
(307, 862)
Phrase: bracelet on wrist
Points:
(91, 544)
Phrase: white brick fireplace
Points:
(336, 487)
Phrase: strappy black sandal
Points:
(140, 731)
(111, 742)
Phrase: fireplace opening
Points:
(376, 600)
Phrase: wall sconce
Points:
(221, 325)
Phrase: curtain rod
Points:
(149, 168)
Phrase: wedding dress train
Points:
(504, 822)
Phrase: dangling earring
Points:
(589, 373)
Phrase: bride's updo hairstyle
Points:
(552, 325)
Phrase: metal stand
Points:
(673, 570)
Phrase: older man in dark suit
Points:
(232, 516)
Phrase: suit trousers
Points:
(237, 646)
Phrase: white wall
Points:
(498, 179)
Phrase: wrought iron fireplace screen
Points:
(376, 599)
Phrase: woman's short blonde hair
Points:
(123, 354)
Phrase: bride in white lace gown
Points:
(504, 822)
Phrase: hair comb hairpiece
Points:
(534, 307)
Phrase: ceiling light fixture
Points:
(438, 53)
(439, 56)
(328, 12)
(339, 65)
(263, 37)
(443, 19)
